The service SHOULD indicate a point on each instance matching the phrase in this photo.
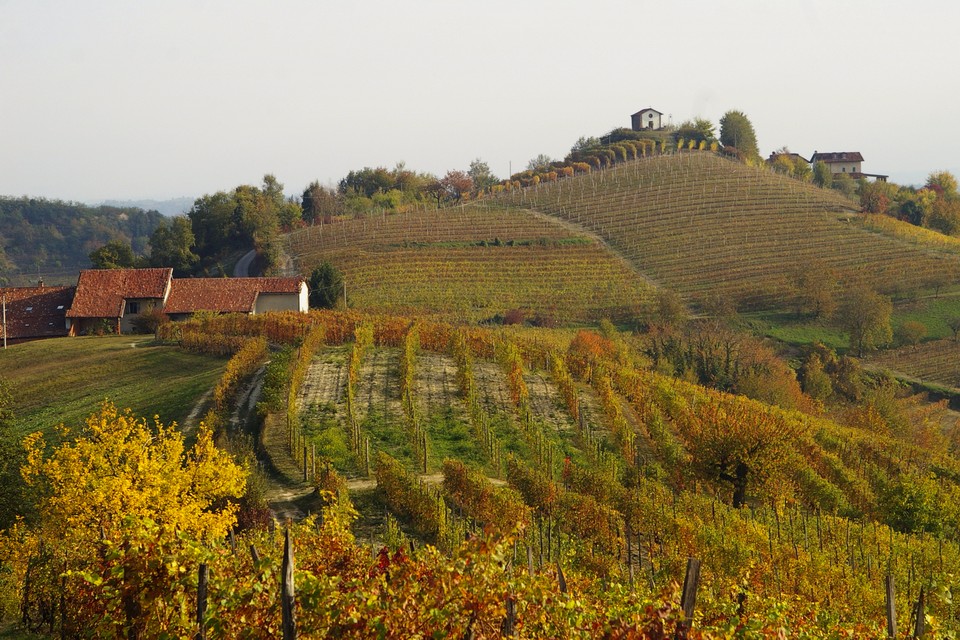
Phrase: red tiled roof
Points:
(36, 312)
(837, 156)
(224, 295)
(101, 292)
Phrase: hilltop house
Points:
(646, 119)
(111, 300)
(32, 313)
(845, 163)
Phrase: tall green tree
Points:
(326, 285)
(116, 254)
(171, 245)
(736, 130)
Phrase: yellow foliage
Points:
(119, 466)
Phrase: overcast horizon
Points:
(110, 100)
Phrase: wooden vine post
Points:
(688, 597)
(203, 580)
(288, 598)
(891, 608)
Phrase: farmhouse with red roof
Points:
(32, 313)
(111, 300)
(235, 295)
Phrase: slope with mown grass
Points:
(64, 380)
(710, 227)
(473, 263)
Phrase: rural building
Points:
(646, 119)
(845, 163)
(32, 313)
(235, 295)
(110, 300)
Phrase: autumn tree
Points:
(320, 204)
(120, 498)
(481, 175)
(815, 290)
(539, 163)
(698, 130)
(456, 184)
(737, 441)
(737, 131)
(116, 254)
(822, 174)
(865, 315)
(943, 183)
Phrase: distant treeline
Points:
(54, 238)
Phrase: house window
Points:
(844, 169)
(133, 307)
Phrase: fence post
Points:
(287, 594)
(203, 578)
(891, 608)
(688, 597)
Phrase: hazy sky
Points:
(160, 99)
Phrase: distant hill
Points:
(171, 207)
(52, 239)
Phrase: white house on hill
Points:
(646, 119)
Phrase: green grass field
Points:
(66, 379)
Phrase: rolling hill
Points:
(472, 264)
(703, 225)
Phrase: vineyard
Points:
(704, 226)
(473, 264)
(580, 475)
(933, 362)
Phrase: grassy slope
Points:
(65, 379)
(472, 263)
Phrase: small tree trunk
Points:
(740, 485)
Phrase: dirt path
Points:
(491, 387)
(192, 421)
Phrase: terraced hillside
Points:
(471, 263)
(704, 225)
